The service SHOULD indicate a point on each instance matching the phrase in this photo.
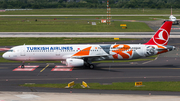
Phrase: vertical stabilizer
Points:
(162, 35)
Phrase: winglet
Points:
(162, 35)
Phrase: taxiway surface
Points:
(85, 34)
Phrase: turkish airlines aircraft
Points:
(80, 54)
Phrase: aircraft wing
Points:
(4, 49)
(89, 56)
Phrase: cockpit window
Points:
(10, 50)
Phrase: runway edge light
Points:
(70, 85)
(84, 85)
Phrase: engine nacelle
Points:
(74, 62)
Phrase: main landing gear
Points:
(87, 64)
(91, 66)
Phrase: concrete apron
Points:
(43, 96)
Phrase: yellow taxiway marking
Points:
(44, 68)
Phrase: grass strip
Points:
(67, 25)
(148, 86)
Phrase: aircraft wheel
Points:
(91, 66)
(22, 66)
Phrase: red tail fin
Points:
(162, 35)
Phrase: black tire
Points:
(22, 66)
(91, 66)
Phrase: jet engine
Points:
(74, 62)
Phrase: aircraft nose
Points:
(5, 56)
(174, 48)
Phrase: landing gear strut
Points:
(22, 66)
(175, 22)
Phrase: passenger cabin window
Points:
(10, 50)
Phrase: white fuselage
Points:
(172, 18)
(97, 52)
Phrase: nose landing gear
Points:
(22, 66)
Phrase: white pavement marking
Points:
(150, 60)
(62, 68)
(85, 34)
(26, 68)
(27, 96)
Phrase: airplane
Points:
(74, 55)
(171, 18)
